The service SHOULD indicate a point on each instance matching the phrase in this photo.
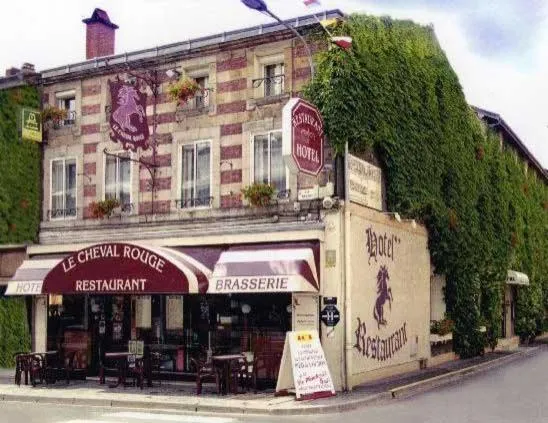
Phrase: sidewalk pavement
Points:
(182, 396)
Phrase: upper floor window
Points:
(63, 188)
(273, 79)
(66, 100)
(118, 178)
(201, 98)
(196, 174)
(268, 166)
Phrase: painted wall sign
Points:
(304, 367)
(116, 268)
(364, 182)
(128, 118)
(390, 292)
(303, 137)
(31, 125)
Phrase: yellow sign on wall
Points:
(31, 124)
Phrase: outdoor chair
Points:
(21, 367)
(137, 372)
(247, 374)
(36, 369)
(205, 372)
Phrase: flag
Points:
(311, 3)
(342, 42)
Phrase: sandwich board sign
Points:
(304, 368)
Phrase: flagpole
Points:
(309, 53)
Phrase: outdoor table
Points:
(225, 361)
(121, 364)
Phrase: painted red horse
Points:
(127, 106)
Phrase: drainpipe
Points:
(346, 282)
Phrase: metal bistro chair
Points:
(36, 369)
(205, 372)
(21, 366)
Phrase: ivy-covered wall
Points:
(20, 170)
(396, 93)
(19, 208)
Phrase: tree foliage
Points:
(396, 93)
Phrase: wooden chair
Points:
(205, 372)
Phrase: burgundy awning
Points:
(127, 268)
(291, 269)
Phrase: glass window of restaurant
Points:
(174, 327)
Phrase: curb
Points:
(451, 377)
(382, 397)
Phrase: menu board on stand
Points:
(304, 368)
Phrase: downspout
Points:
(346, 281)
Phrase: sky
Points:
(498, 48)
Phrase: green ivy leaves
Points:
(395, 93)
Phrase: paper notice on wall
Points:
(174, 312)
(304, 367)
(143, 312)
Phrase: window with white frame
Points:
(273, 79)
(196, 174)
(118, 178)
(202, 97)
(66, 100)
(268, 164)
(63, 188)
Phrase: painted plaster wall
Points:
(384, 338)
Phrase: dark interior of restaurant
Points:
(173, 328)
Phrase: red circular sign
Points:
(307, 137)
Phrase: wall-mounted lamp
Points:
(395, 215)
(173, 73)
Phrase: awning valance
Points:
(517, 278)
(29, 277)
(265, 270)
(127, 268)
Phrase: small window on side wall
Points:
(273, 79)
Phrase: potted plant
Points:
(53, 114)
(100, 209)
(183, 90)
(258, 195)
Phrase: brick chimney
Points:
(99, 35)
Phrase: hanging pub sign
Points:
(128, 118)
(303, 137)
